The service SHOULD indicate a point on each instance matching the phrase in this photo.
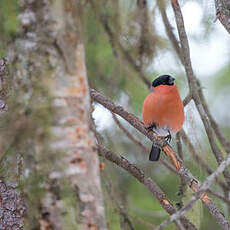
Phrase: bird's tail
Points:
(155, 153)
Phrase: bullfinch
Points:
(163, 111)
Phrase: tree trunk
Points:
(52, 110)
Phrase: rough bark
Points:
(12, 207)
(49, 56)
(223, 13)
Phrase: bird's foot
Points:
(168, 137)
(150, 127)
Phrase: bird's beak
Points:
(171, 80)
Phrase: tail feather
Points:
(155, 153)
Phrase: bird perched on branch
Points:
(163, 111)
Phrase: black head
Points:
(163, 80)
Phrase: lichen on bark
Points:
(12, 207)
(48, 119)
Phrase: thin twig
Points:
(179, 146)
(224, 142)
(187, 99)
(193, 85)
(223, 13)
(112, 38)
(172, 38)
(168, 166)
(183, 172)
(222, 221)
(219, 196)
(140, 220)
(147, 181)
(179, 225)
(120, 209)
(182, 185)
(136, 123)
(171, 168)
(168, 27)
(199, 160)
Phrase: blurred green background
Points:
(123, 40)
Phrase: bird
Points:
(163, 111)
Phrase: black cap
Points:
(163, 80)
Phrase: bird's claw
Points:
(150, 127)
(168, 137)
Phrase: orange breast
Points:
(164, 107)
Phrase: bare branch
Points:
(223, 13)
(220, 218)
(225, 143)
(173, 39)
(132, 138)
(140, 220)
(187, 99)
(147, 181)
(182, 185)
(119, 208)
(172, 169)
(175, 44)
(179, 145)
(193, 85)
(167, 165)
(169, 29)
(199, 160)
(184, 45)
(219, 196)
(183, 172)
(133, 120)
